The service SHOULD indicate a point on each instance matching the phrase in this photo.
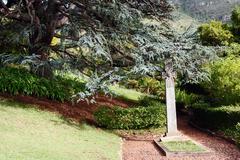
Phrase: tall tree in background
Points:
(102, 27)
(105, 39)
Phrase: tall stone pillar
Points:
(169, 77)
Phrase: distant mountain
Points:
(204, 10)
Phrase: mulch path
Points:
(147, 150)
(137, 148)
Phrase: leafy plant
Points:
(236, 19)
(148, 101)
(147, 85)
(216, 117)
(238, 131)
(20, 81)
(214, 33)
(187, 99)
(238, 127)
(131, 118)
(233, 50)
(224, 84)
(224, 119)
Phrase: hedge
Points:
(132, 118)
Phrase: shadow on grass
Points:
(4, 103)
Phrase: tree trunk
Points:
(42, 36)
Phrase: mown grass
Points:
(29, 134)
(127, 94)
(182, 146)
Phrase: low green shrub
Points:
(233, 50)
(20, 81)
(224, 119)
(148, 101)
(132, 118)
(214, 33)
(238, 127)
(224, 84)
(233, 132)
(216, 117)
(187, 99)
(238, 133)
(236, 20)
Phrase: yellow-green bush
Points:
(214, 33)
(224, 84)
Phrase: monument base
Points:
(174, 136)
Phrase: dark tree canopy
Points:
(105, 39)
(104, 27)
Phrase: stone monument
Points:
(169, 75)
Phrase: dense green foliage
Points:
(224, 119)
(132, 118)
(216, 117)
(233, 50)
(20, 81)
(224, 84)
(236, 20)
(238, 127)
(214, 33)
(238, 133)
(105, 40)
(186, 99)
(146, 84)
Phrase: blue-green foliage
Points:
(20, 81)
(132, 118)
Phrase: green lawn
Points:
(182, 146)
(128, 94)
(30, 134)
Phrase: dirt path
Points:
(146, 150)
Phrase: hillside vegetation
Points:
(208, 9)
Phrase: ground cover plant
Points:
(28, 133)
(21, 81)
(222, 119)
(216, 117)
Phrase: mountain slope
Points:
(208, 9)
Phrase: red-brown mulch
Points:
(147, 150)
(81, 112)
